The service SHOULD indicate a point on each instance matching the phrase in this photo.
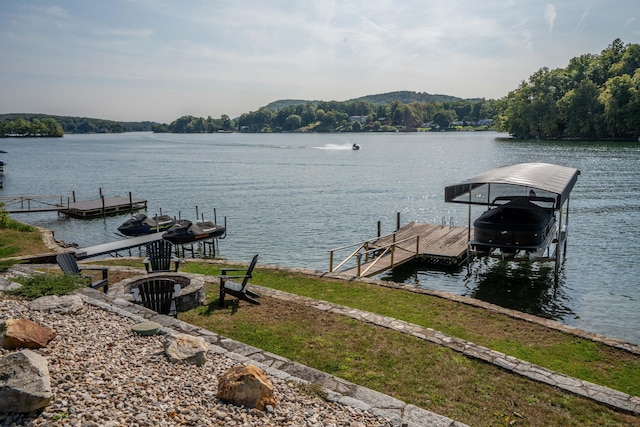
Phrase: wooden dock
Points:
(102, 207)
(433, 244)
(76, 209)
(114, 247)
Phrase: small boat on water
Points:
(519, 224)
(184, 231)
(141, 224)
(355, 147)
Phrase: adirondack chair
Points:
(69, 265)
(158, 294)
(159, 257)
(238, 290)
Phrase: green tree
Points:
(444, 119)
(52, 127)
(20, 127)
(396, 113)
(619, 111)
(581, 110)
(226, 123)
(292, 122)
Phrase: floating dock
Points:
(433, 244)
(83, 209)
(102, 207)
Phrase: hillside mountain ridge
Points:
(404, 96)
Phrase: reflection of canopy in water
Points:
(555, 179)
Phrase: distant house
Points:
(360, 119)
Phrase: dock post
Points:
(393, 248)
(330, 261)
(379, 234)
(130, 202)
(397, 221)
(73, 195)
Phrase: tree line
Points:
(24, 124)
(594, 97)
(348, 116)
(46, 127)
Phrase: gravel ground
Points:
(102, 374)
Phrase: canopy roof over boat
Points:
(555, 179)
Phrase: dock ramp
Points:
(430, 243)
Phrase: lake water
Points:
(293, 197)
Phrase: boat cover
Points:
(543, 176)
(520, 214)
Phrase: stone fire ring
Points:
(191, 293)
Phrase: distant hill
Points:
(404, 96)
(284, 103)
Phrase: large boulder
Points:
(23, 333)
(66, 304)
(246, 386)
(25, 385)
(183, 348)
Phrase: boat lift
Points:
(544, 182)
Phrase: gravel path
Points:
(102, 374)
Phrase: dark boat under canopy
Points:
(522, 202)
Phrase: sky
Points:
(158, 60)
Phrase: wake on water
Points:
(335, 147)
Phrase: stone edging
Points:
(337, 389)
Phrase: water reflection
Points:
(522, 286)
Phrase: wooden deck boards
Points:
(104, 206)
(82, 209)
(437, 244)
(115, 247)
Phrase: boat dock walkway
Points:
(114, 247)
(434, 244)
(82, 209)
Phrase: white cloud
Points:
(550, 15)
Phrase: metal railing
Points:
(378, 253)
(23, 203)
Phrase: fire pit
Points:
(191, 293)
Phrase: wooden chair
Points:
(158, 294)
(238, 290)
(159, 257)
(69, 265)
